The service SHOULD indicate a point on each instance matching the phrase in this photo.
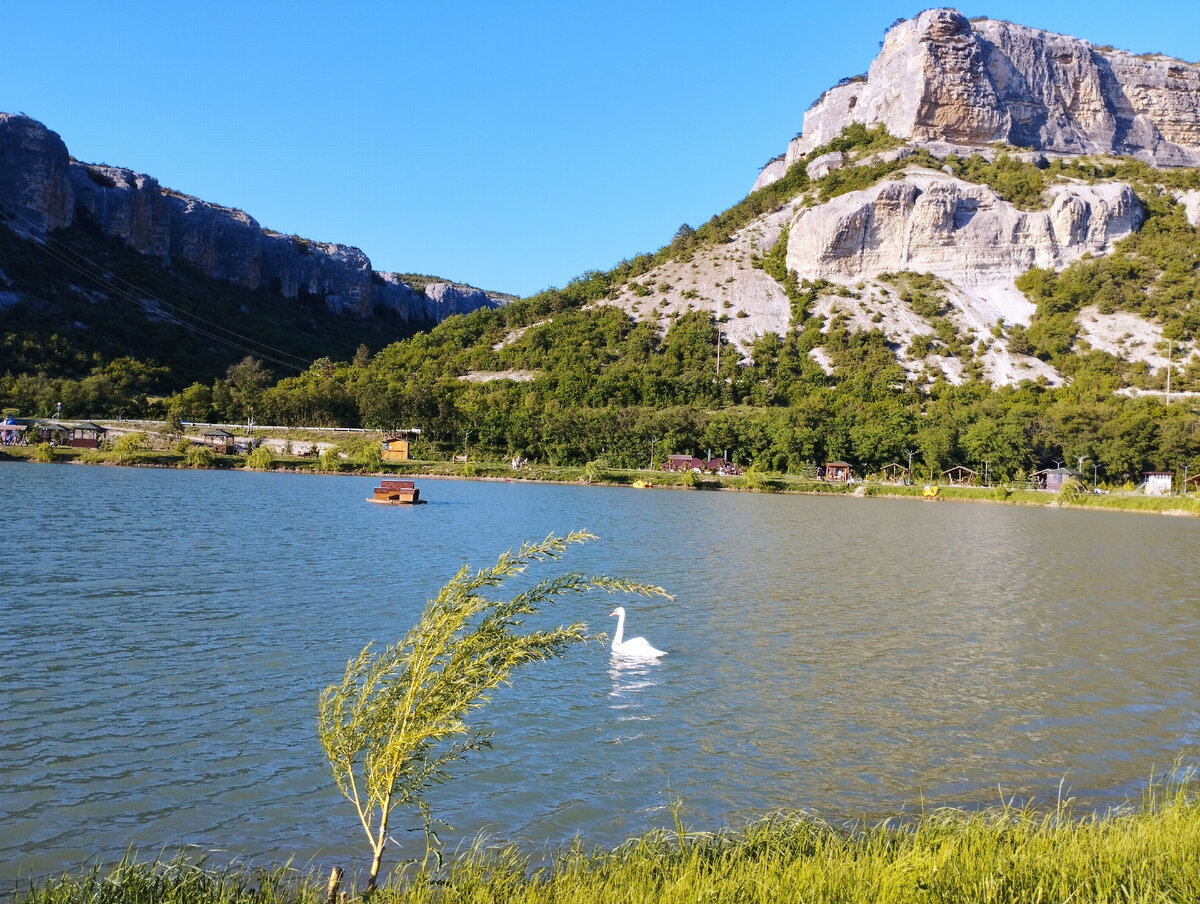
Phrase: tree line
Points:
(588, 383)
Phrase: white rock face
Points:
(825, 164)
(933, 223)
(945, 80)
(1191, 203)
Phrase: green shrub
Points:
(331, 460)
(200, 457)
(131, 442)
(43, 452)
(596, 471)
(755, 479)
(370, 457)
(1070, 491)
(260, 459)
(919, 346)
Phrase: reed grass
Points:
(183, 880)
(1137, 855)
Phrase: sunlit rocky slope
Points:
(947, 89)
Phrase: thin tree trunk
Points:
(379, 845)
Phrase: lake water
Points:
(164, 636)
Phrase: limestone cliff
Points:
(942, 80)
(930, 222)
(43, 189)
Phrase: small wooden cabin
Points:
(1052, 479)
(87, 435)
(395, 449)
(839, 472)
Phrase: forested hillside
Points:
(90, 322)
(569, 377)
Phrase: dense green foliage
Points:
(558, 379)
(1137, 856)
(104, 329)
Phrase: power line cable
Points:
(84, 266)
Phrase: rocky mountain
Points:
(944, 81)
(945, 91)
(42, 189)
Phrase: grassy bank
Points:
(1150, 854)
(349, 462)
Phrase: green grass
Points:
(1144, 854)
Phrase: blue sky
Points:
(511, 146)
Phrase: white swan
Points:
(637, 647)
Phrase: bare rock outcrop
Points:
(438, 301)
(1191, 205)
(42, 189)
(35, 189)
(934, 223)
(943, 79)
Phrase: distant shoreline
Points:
(776, 484)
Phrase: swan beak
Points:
(614, 612)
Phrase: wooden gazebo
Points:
(86, 435)
(52, 432)
(894, 473)
(838, 471)
(959, 476)
(220, 441)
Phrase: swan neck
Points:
(620, 635)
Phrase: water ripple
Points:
(160, 662)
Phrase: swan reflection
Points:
(630, 676)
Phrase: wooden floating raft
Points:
(396, 492)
